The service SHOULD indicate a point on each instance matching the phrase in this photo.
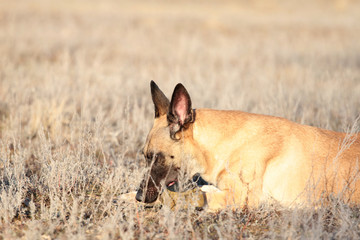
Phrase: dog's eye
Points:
(172, 157)
(150, 156)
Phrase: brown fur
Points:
(252, 157)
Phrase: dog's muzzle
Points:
(147, 193)
(139, 195)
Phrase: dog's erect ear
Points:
(161, 102)
(180, 111)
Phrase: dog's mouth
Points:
(173, 186)
(176, 186)
(171, 183)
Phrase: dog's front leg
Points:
(234, 195)
(219, 199)
(223, 199)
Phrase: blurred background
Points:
(246, 55)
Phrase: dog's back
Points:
(281, 159)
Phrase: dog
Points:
(249, 157)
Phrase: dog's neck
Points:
(208, 131)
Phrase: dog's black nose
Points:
(139, 195)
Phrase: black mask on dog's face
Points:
(159, 172)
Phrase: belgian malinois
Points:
(250, 157)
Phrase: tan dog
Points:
(249, 157)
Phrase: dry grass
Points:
(75, 106)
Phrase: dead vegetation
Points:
(75, 107)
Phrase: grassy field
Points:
(75, 106)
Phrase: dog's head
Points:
(165, 147)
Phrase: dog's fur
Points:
(249, 157)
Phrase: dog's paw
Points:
(128, 197)
(209, 189)
(193, 198)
